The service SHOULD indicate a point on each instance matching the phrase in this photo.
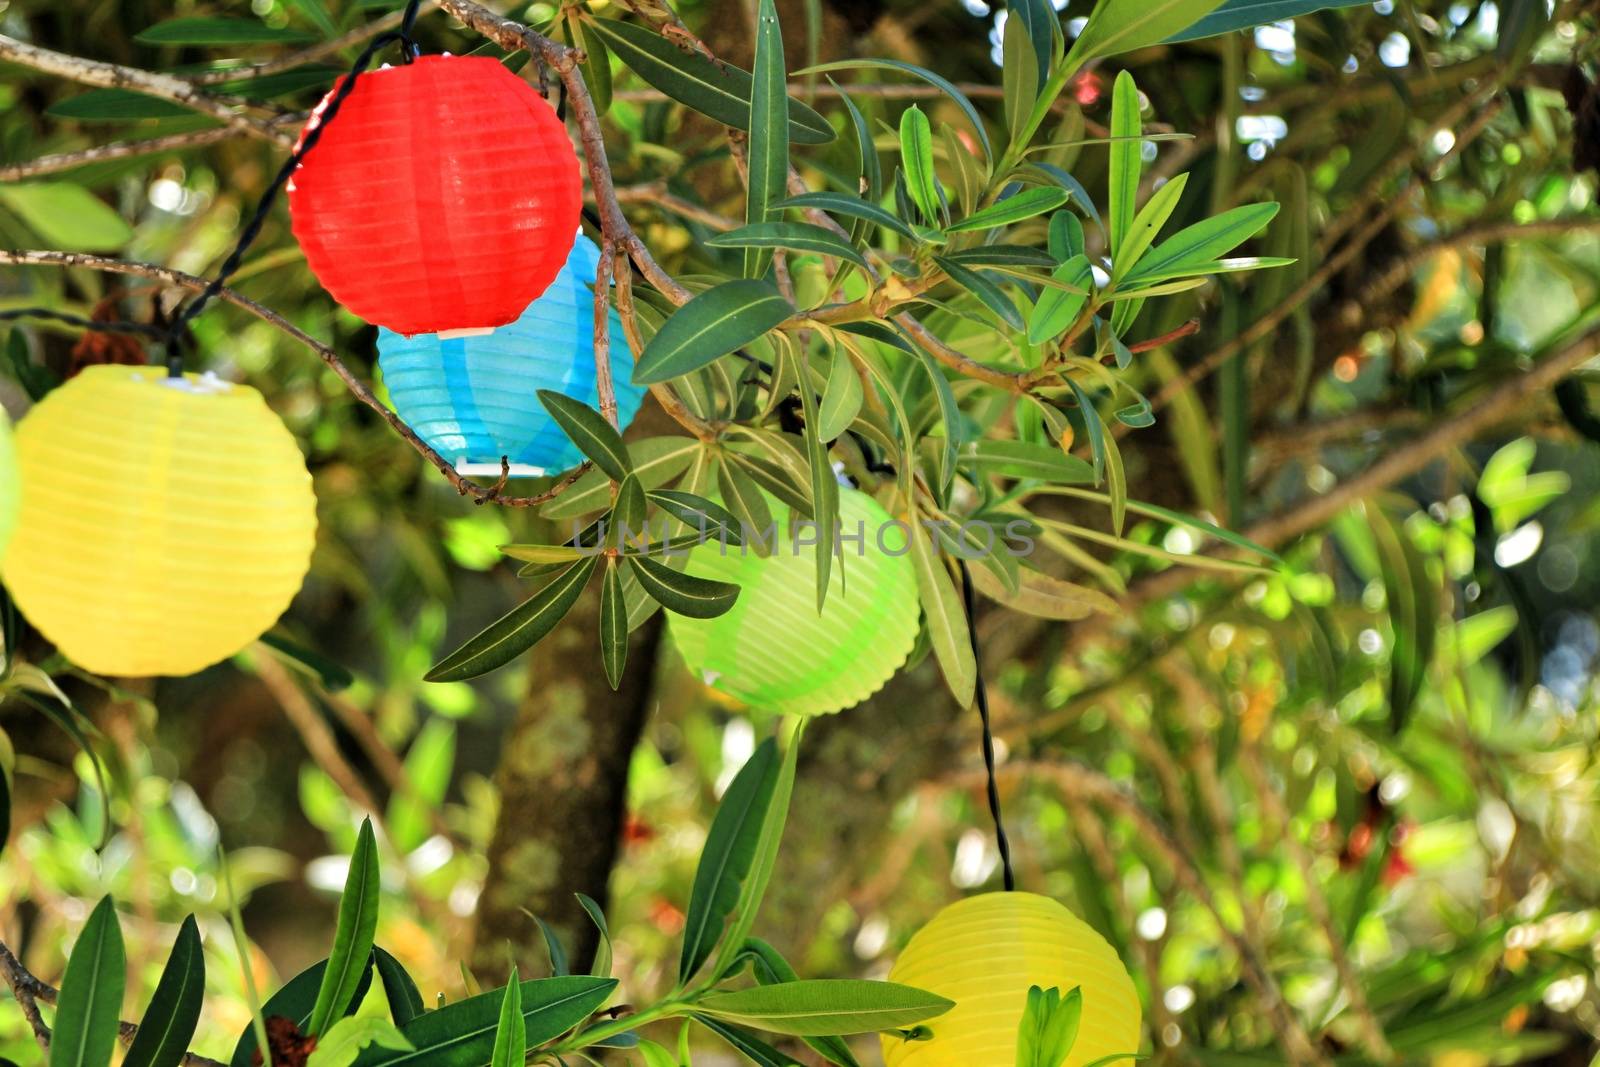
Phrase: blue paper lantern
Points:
(472, 394)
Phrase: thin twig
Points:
(15, 172)
(166, 86)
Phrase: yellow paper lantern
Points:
(984, 953)
(165, 524)
(8, 483)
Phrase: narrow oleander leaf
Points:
(1059, 308)
(946, 618)
(352, 942)
(88, 1009)
(754, 889)
(1015, 208)
(1043, 595)
(852, 206)
(770, 968)
(824, 484)
(866, 149)
(346, 1039)
(597, 915)
(841, 397)
(463, 1034)
(710, 326)
(114, 105)
(216, 30)
(518, 630)
(1065, 236)
(713, 88)
(748, 1044)
(66, 215)
(698, 598)
(1024, 459)
(725, 861)
(747, 503)
(795, 236)
(826, 1007)
(613, 623)
(405, 1000)
(1020, 76)
(174, 1012)
(1117, 26)
(1146, 224)
(629, 515)
(944, 85)
(544, 553)
(1044, 32)
(768, 169)
(1002, 256)
(985, 289)
(596, 67)
(916, 157)
(1243, 14)
(705, 518)
(655, 460)
(595, 437)
(1204, 241)
(511, 1033)
(1126, 157)
(294, 1001)
(655, 1055)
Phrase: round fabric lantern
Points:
(443, 196)
(984, 953)
(773, 650)
(474, 399)
(166, 523)
(8, 483)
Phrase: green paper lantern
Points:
(8, 483)
(773, 651)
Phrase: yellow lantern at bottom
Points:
(984, 953)
(165, 523)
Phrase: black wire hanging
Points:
(981, 692)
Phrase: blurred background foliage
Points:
(1358, 798)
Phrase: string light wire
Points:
(981, 691)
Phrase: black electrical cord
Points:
(1003, 843)
(408, 51)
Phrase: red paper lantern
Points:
(442, 197)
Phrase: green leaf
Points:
(726, 859)
(768, 171)
(1117, 26)
(1043, 595)
(352, 940)
(88, 1010)
(174, 1012)
(602, 956)
(1413, 601)
(841, 397)
(719, 90)
(214, 30)
(405, 1002)
(851, 206)
(428, 764)
(629, 514)
(1024, 459)
(705, 517)
(799, 236)
(947, 618)
(1059, 308)
(1044, 31)
(710, 326)
(745, 500)
(1126, 160)
(346, 1038)
(751, 1046)
(698, 598)
(999, 255)
(942, 84)
(1243, 14)
(916, 154)
(596, 67)
(1203, 242)
(655, 461)
(770, 968)
(866, 148)
(1049, 1027)
(114, 105)
(1066, 236)
(511, 1034)
(316, 11)
(589, 430)
(1032, 201)
(988, 292)
(552, 945)
(1146, 224)
(66, 216)
(1021, 78)
(613, 624)
(294, 1002)
(463, 1034)
(826, 1007)
(518, 630)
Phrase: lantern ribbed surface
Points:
(474, 399)
(164, 526)
(443, 196)
(8, 483)
(773, 650)
(983, 953)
